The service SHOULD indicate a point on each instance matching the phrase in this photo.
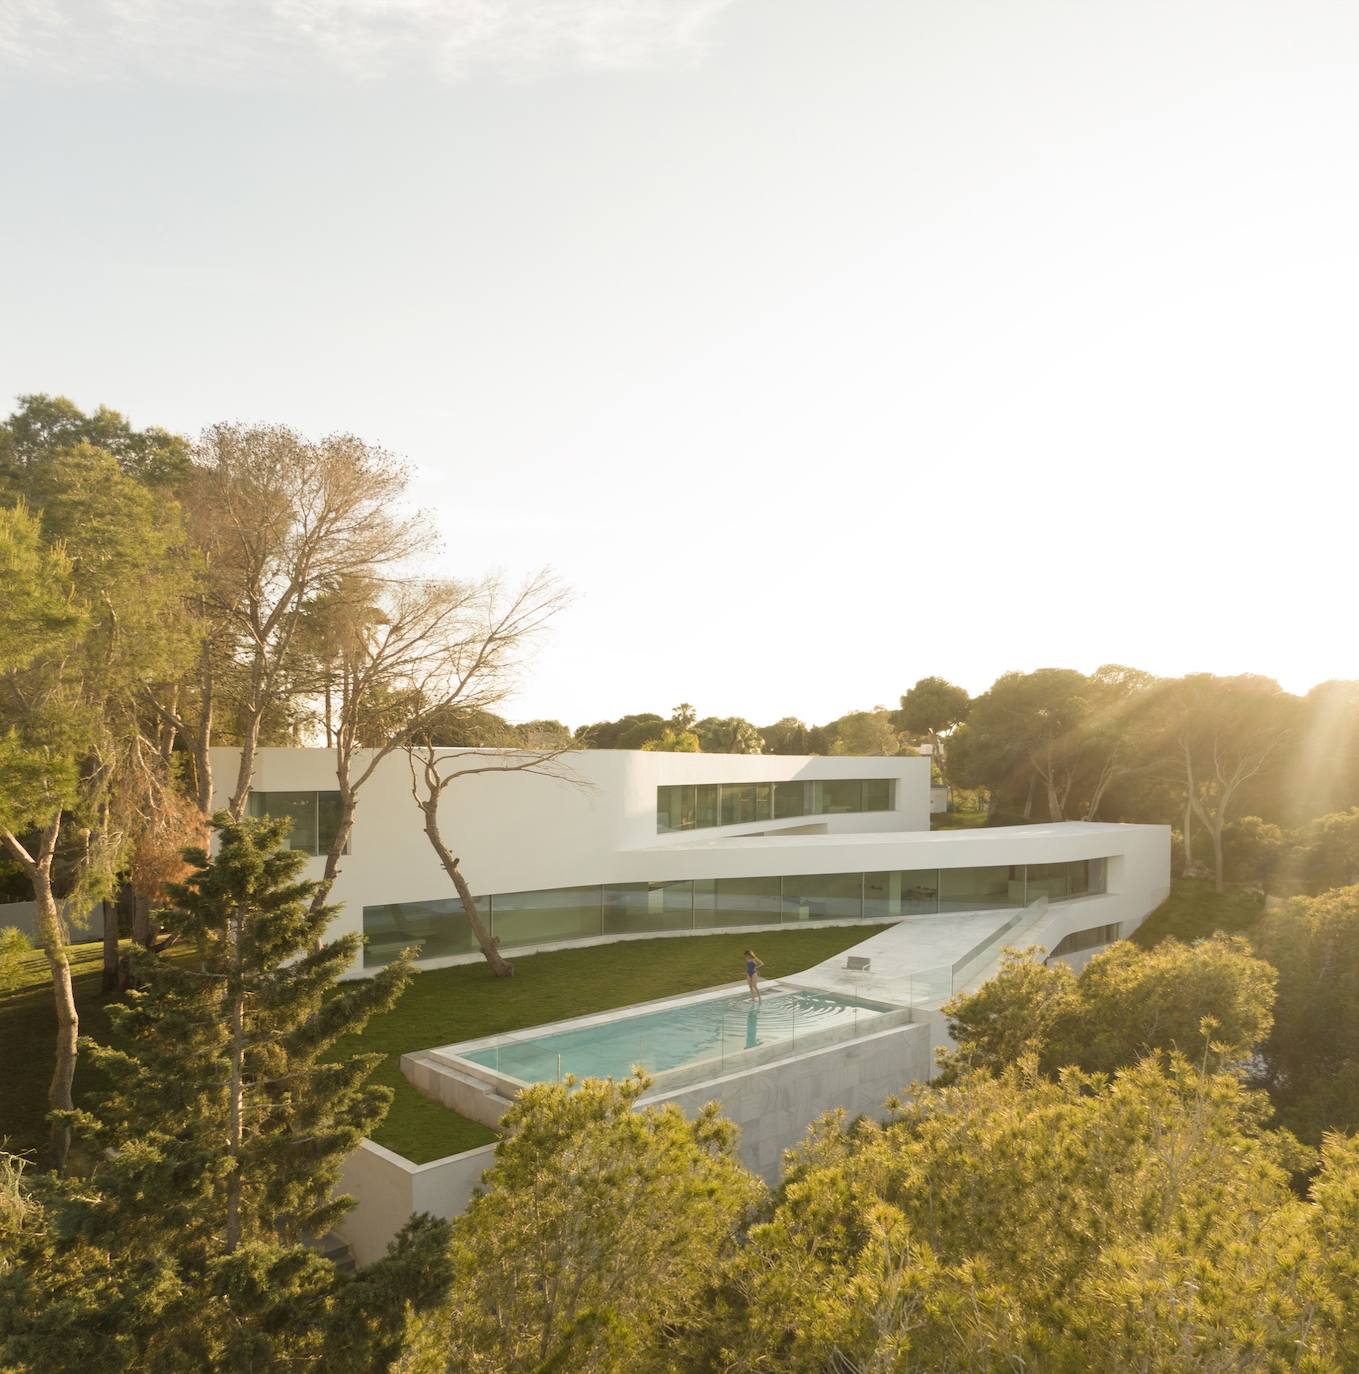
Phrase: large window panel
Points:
(707, 807)
(837, 796)
(823, 897)
(675, 808)
(1059, 882)
(909, 892)
(879, 794)
(533, 918)
(764, 801)
(735, 902)
(789, 800)
(439, 928)
(301, 807)
(738, 803)
(628, 910)
(327, 821)
(981, 889)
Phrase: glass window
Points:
(438, 928)
(327, 821)
(315, 817)
(738, 803)
(707, 809)
(823, 897)
(879, 794)
(789, 800)
(1099, 875)
(764, 801)
(675, 901)
(981, 889)
(533, 918)
(735, 902)
(1059, 881)
(1085, 939)
(836, 796)
(674, 808)
(627, 909)
(299, 806)
(913, 892)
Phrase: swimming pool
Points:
(680, 1041)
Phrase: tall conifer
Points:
(216, 1150)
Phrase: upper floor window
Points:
(315, 817)
(695, 806)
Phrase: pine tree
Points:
(215, 1151)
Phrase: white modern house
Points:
(635, 845)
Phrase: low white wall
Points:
(388, 1189)
(773, 1104)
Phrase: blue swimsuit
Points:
(750, 968)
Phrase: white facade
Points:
(520, 832)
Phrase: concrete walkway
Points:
(923, 960)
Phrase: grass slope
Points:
(441, 1006)
(1194, 910)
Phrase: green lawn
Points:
(1194, 910)
(440, 1007)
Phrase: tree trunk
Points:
(109, 981)
(1219, 868)
(54, 937)
(349, 805)
(142, 931)
(1028, 799)
(1188, 836)
(203, 740)
(500, 966)
(235, 1103)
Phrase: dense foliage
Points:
(211, 1161)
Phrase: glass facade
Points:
(1085, 939)
(695, 807)
(315, 817)
(516, 919)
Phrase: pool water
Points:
(694, 1032)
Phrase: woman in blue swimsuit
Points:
(753, 967)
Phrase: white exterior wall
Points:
(521, 832)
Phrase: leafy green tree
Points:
(44, 425)
(1024, 1223)
(864, 734)
(1255, 851)
(787, 736)
(728, 735)
(215, 1151)
(544, 734)
(932, 708)
(1125, 1004)
(1327, 853)
(1223, 734)
(672, 742)
(595, 1237)
(682, 718)
(15, 946)
(1311, 1056)
(627, 732)
(96, 574)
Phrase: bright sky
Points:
(817, 346)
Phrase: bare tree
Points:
(432, 770)
(411, 656)
(277, 520)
